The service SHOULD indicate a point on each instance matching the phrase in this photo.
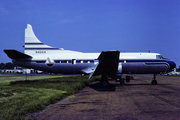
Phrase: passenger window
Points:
(125, 61)
(73, 61)
(81, 61)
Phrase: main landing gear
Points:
(104, 81)
(127, 79)
(154, 81)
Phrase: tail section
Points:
(33, 45)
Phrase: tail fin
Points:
(30, 36)
(33, 45)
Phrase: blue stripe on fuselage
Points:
(42, 49)
(34, 43)
(127, 61)
(150, 60)
(40, 61)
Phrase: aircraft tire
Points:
(121, 82)
(127, 78)
(104, 83)
(154, 82)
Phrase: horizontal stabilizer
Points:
(14, 54)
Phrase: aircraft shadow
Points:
(112, 86)
(98, 87)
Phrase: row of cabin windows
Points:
(75, 61)
(83, 61)
(78, 61)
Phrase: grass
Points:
(19, 97)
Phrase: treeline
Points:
(8, 65)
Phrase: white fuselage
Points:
(85, 63)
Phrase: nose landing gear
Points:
(154, 81)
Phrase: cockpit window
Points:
(159, 57)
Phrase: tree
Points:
(2, 66)
(9, 65)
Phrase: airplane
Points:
(109, 64)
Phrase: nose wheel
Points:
(154, 81)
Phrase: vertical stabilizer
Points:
(30, 36)
(33, 45)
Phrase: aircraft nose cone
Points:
(172, 65)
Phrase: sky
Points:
(94, 25)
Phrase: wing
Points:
(108, 63)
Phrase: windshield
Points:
(159, 57)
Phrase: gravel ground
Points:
(136, 100)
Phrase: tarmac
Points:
(136, 100)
